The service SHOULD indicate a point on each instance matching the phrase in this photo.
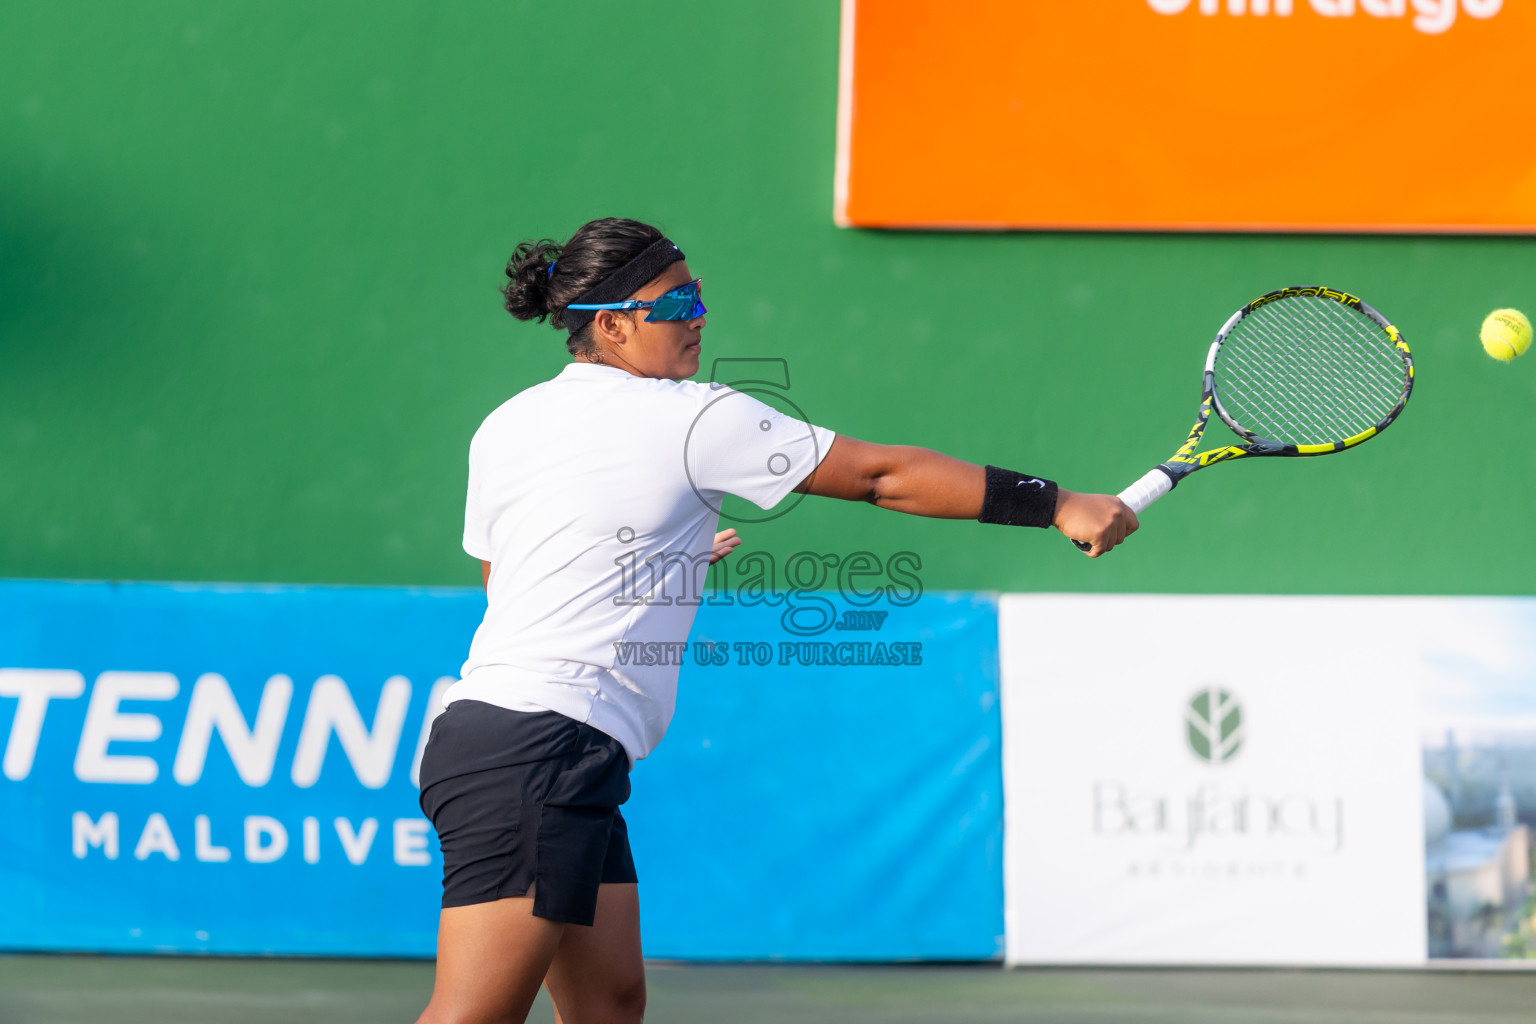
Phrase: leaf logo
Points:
(1213, 725)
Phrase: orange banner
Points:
(1250, 115)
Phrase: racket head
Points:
(1308, 371)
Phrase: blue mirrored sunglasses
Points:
(681, 303)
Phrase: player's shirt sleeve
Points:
(741, 446)
(477, 530)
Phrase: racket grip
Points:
(1147, 490)
(1139, 495)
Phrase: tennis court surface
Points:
(142, 990)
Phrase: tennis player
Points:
(587, 509)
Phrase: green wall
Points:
(249, 255)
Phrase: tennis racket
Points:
(1296, 372)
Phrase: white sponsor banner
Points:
(1212, 780)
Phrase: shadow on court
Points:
(152, 990)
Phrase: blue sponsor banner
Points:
(220, 769)
(230, 769)
(806, 809)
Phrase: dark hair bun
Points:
(545, 277)
(528, 279)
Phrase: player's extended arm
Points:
(922, 482)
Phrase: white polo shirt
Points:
(594, 496)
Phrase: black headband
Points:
(623, 283)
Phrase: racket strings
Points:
(1286, 402)
(1279, 387)
(1371, 337)
(1308, 370)
(1329, 357)
(1318, 397)
(1372, 385)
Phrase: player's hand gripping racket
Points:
(1299, 371)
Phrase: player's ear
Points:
(612, 326)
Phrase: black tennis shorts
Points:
(526, 800)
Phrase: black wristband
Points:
(1013, 499)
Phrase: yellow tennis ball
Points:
(1506, 334)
